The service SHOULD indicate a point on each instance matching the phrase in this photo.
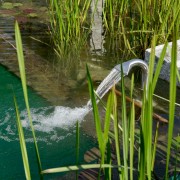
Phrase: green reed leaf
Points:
(75, 168)
(22, 142)
(108, 117)
(155, 145)
(95, 112)
(24, 86)
(178, 74)
(159, 65)
(77, 146)
(142, 148)
(125, 133)
(132, 129)
(132, 136)
(116, 136)
(172, 93)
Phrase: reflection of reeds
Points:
(67, 19)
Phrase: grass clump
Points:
(133, 23)
(128, 25)
(67, 25)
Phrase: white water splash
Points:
(50, 123)
(61, 117)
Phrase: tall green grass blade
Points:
(108, 171)
(107, 127)
(125, 133)
(132, 86)
(23, 81)
(75, 168)
(67, 19)
(119, 18)
(132, 135)
(22, 143)
(142, 150)
(77, 146)
(132, 129)
(117, 137)
(172, 93)
(159, 65)
(145, 152)
(176, 13)
(102, 136)
(148, 137)
(108, 117)
(95, 112)
(155, 146)
(177, 104)
(178, 75)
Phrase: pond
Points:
(54, 125)
(56, 138)
(57, 95)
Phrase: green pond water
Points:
(56, 141)
(54, 125)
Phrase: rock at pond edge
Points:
(165, 70)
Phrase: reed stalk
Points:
(172, 93)
(137, 21)
(132, 131)
(20, 56)
(77, 146)
(67, 25)
(22, 143)
(125, 133)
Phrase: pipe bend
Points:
(128, 65)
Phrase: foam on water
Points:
(62, 117)
(50, 121)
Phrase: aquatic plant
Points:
(24, 86)
(128, 26)
(134, 23)
(68, 21)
